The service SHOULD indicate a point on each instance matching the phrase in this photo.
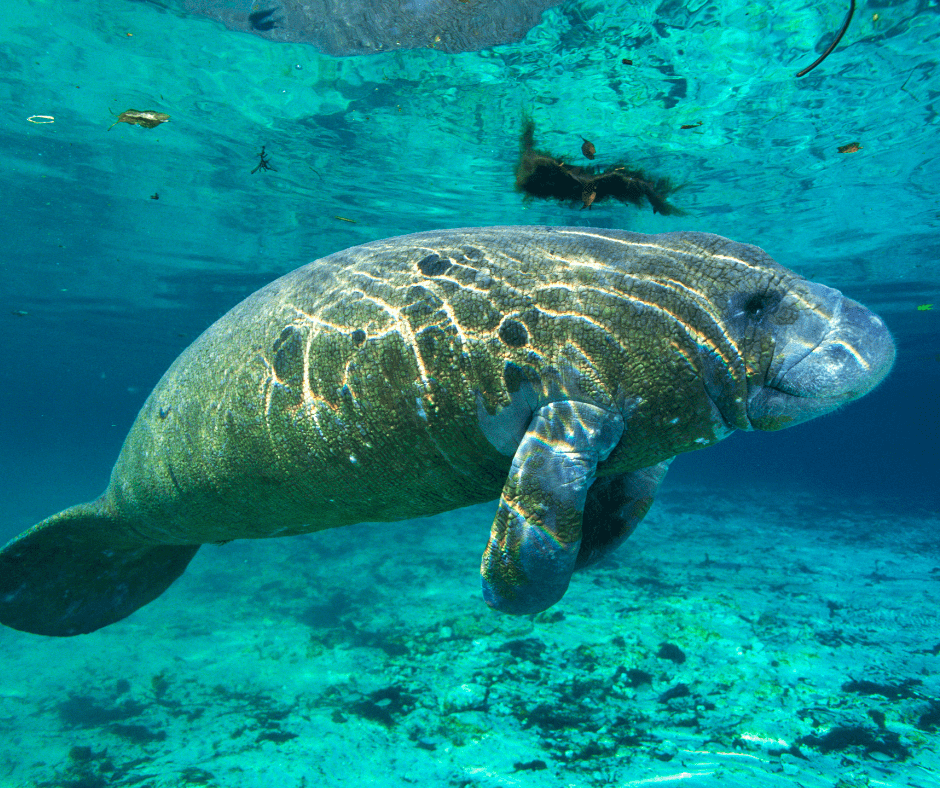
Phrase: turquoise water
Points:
(102, 286)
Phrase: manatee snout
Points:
(835, 353)
(854, 357)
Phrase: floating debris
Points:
(344, 219)
(543, 175)
(852, 147)
(147, 118)
(833, 45)
(588, 196)
(42, 119)
(690, 125)
(588, 148)
(264, 163)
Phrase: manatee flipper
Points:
(615, 505)
(73, 573)
(536, 534)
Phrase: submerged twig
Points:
(264, 164)
(833, 45)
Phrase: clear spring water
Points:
(102, 285)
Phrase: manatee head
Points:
(806, 348)
(834, 351)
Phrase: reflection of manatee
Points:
(557, 369)
(361, 27)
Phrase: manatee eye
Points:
(756, 304)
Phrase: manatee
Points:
(364, 27)
(558, 370)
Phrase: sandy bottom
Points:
(728, 643)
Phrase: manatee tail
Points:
(73, 573)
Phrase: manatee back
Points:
(352, 389)
(307, 405)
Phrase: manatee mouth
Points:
(851, 358)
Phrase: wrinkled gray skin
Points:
(362, 27)
(557, 369)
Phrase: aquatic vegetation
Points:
(264, 163)
(544, 175)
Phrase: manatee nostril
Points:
(838, 355)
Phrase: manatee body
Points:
(557, 369)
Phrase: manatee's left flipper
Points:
(536, 535)
(615, 505)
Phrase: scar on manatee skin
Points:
(147, 118)
(264, 164)
(833, 45)
(546, 176)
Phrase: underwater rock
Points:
(843, 737)
(384, 706)
(890, 691)
(362, 27)
(465, 697)
(671, 652)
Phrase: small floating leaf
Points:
(147, 118)
(852, 147)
